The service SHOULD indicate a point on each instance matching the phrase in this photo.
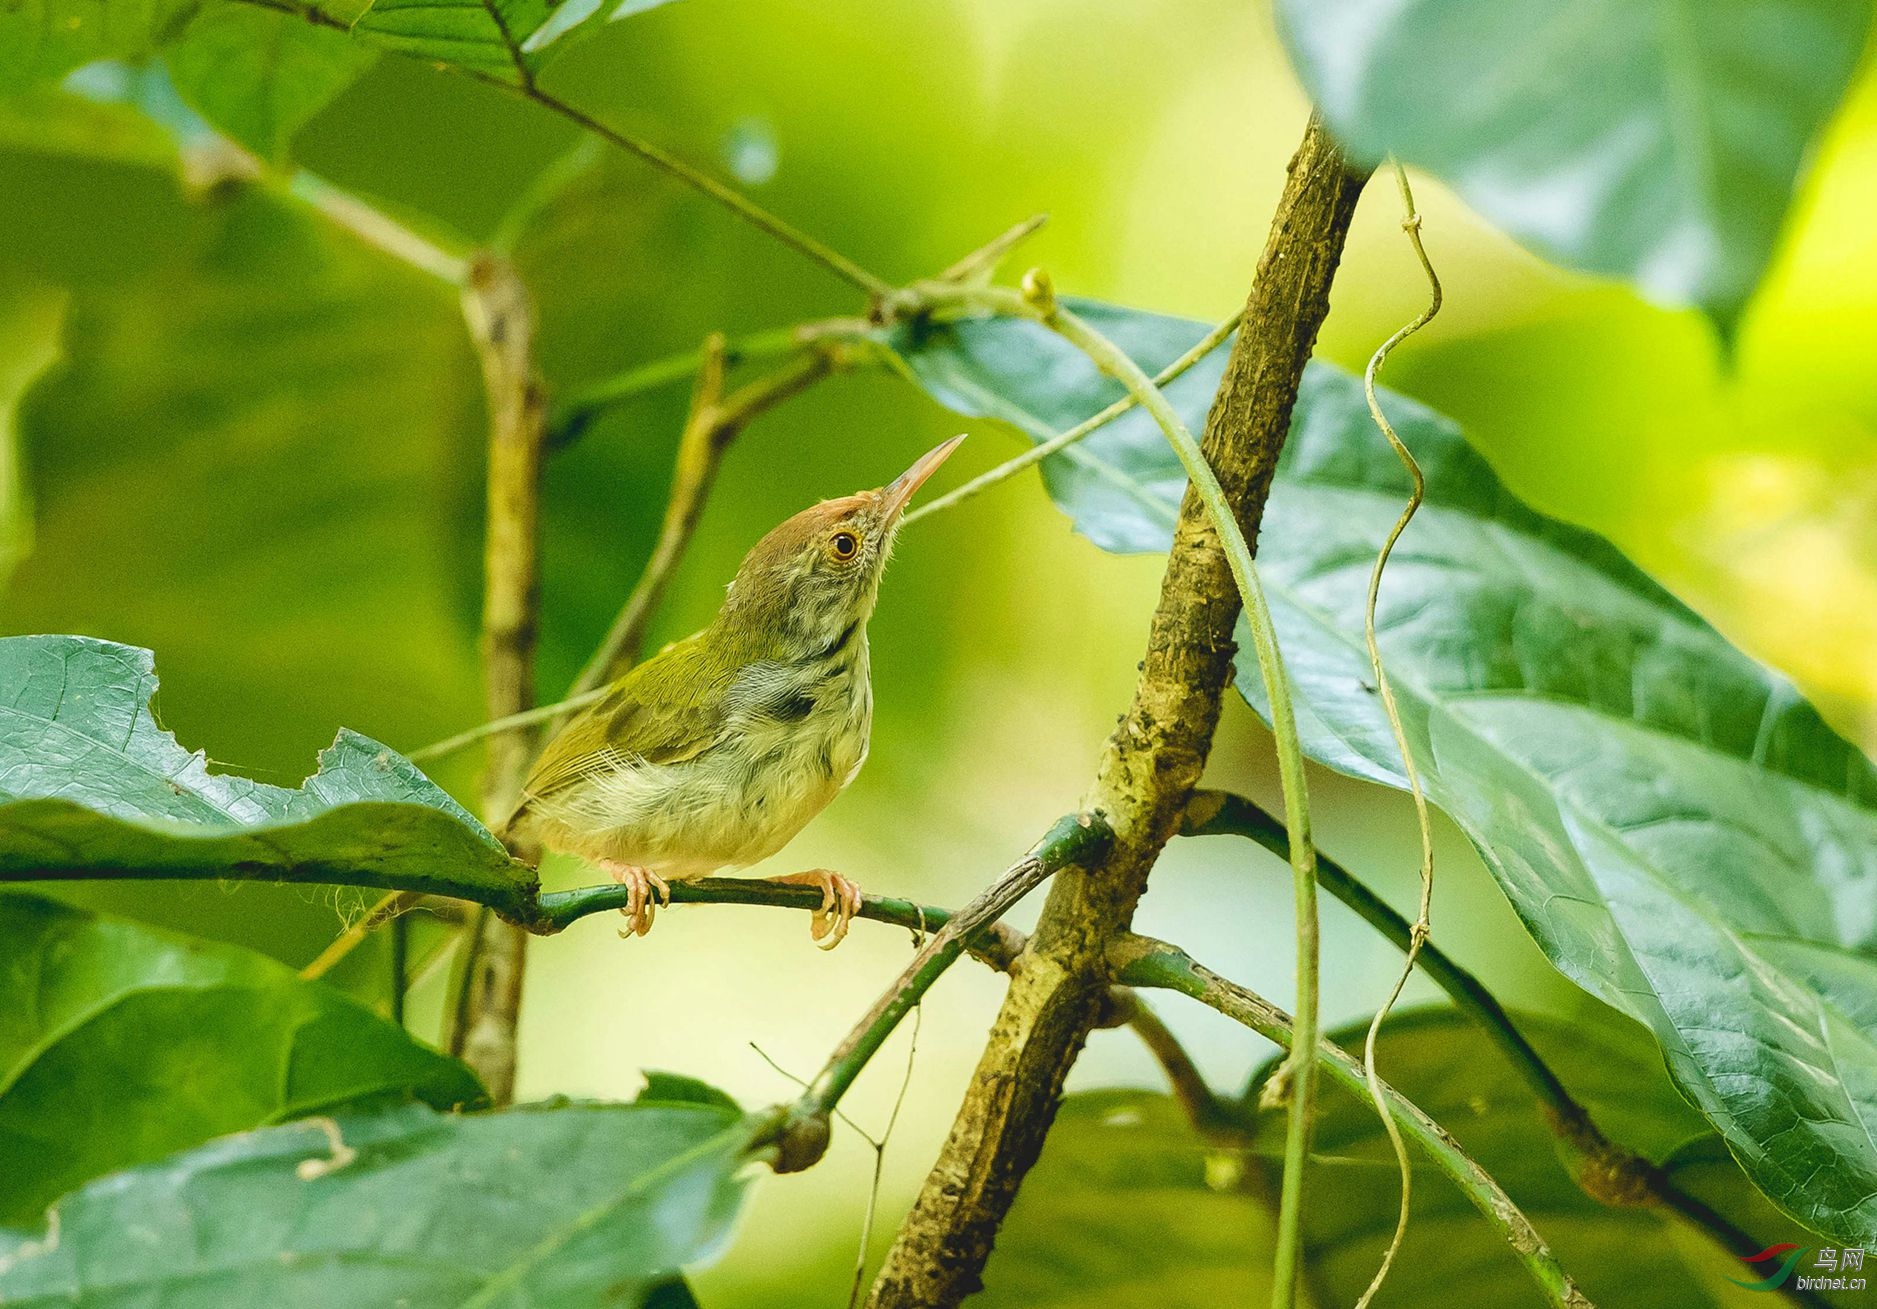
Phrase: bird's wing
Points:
(667, 710)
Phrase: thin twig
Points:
(736, 202)
(1417, 935)
(1140, 961)
(983, 261)
(527, 718)
(380, 230)
(501, 321)
(879, 1156)
(399, 967)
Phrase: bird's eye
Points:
(845, 545)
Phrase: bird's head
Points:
(811, 583)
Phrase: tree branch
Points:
(1150, 766)
(1140, 961)
(501, 322)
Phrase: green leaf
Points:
(1651, 140)
(259, 75)
(1671, 820)
(45, 39)
(568, 1205)
(89, 781)
(121, 1043)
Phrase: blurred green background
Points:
(253, 445)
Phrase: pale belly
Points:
(733, 805)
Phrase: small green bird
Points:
(716, 752)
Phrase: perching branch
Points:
(1139, 961)
(1150, 766)
(501, 322)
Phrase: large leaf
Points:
(1653, 140)
(1131, 1207)
(89, 781)
(1680, 831)
(568, 1205)
(121, 1043)
(259, 75)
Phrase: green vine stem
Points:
(1038, 301)
(1142, 962)
(1417, 935)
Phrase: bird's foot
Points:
(645, 892)
(840, 901)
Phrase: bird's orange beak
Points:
(900, 489)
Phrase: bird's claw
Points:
(646, 891)
(840, 901)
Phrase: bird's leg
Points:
(840, 901)
(645, 891)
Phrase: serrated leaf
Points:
(121, 1043)
(259, 75)
(1671, 820)
(89, 781)
(1649, 140)
(572, 1205)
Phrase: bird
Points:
(714, 753)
